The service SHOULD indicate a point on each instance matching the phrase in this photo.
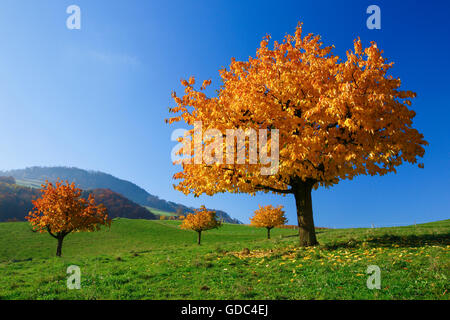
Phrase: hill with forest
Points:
(16, 202)
(88, 180)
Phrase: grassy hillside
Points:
(141, 259)
(161, 212)
(30, 183)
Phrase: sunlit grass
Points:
(138, 259)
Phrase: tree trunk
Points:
(268, 233)
(59, 249)
(199, 237)
(302, 194)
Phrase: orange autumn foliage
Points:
(201, 220)
(61, 210)
(337, 118)
(268, 217)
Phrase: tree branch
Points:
(50, 232)
(261, 187)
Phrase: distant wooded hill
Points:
(15, 202)
(88, 180)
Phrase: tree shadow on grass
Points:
(296, 235)
(388, 240)
(412, 240)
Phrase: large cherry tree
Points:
(337, 118)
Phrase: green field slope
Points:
(31, 183)
(161, 212)
(141, 259)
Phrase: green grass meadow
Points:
(142, 259)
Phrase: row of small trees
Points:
(203, 219)
(61, 210)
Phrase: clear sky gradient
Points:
(96, 98)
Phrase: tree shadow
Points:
(388, 240)
(296, 235)
(412, 240)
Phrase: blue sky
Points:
(96, 98)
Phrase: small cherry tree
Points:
(268, 217)
(61, 210)
(201, 220)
